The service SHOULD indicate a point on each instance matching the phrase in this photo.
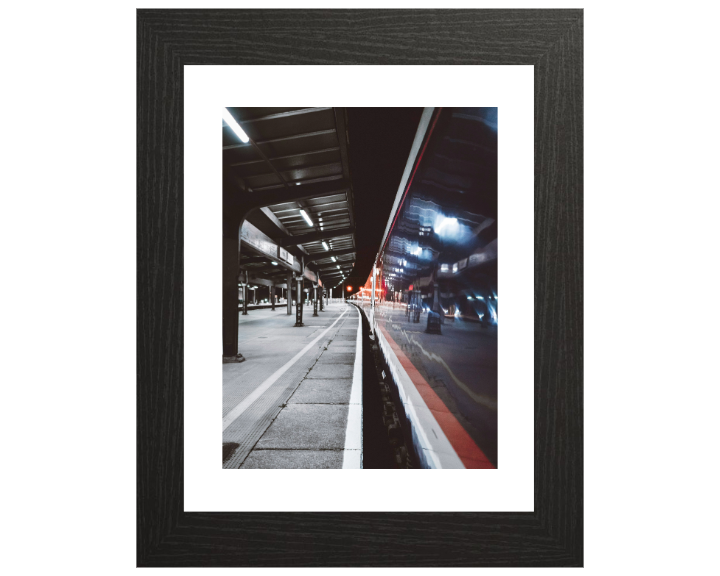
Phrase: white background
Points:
(210, 488)
(651, 316)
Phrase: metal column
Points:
(246, 293)
(315, 300)
(231, 278)
(299, 302)
(289, 293)
(272, 296)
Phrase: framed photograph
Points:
(339, 197)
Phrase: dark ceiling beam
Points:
(342, 268)
(332, 277)
(275, 220)
(269, 163)
(287, 114)
(267, 272)
(305, 182)
(277, 173)
(329, 265)
(283, 139)
(294, 193)
(325, 270)
(249, 162)
(329, 254)
(329, 271)
(264, 280)
(314, 237)
(341, 129)
(337, 209)
(254, 260)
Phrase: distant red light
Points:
(349, 288)
(410, 287)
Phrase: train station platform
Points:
(296, 400)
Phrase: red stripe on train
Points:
(469, 452)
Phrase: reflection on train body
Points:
(435, 280)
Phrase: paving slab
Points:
(307, 427)
(339, 350)
(329, 369)
(337, 358)
(292, 459)
(331, 391)
(349, 337)
(342, 344)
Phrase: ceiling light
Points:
(235, 126)
(334, 259)
(307, 218)
(325, 246)
(274, 263)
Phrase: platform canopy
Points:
(287, 169)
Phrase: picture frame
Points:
(551, 41)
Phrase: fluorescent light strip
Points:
(307, 218)
(325, 246)
(235, 126)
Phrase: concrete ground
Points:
(287, 405)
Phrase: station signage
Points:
(284, 255)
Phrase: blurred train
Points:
(432, 296)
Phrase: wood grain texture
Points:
(552, 41)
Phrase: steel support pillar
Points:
(315, 300)
(246, 293)
(272, 296)
(299, 302)
(231, 278)
(289, 293)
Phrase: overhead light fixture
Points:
(274, 263)
(325, 246)
(334, 259)
(235, 126)
(307, 218)
(297, 183)
(337, 266)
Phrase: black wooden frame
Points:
(552, 41)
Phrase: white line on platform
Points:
(352, 456)
(260, 390)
